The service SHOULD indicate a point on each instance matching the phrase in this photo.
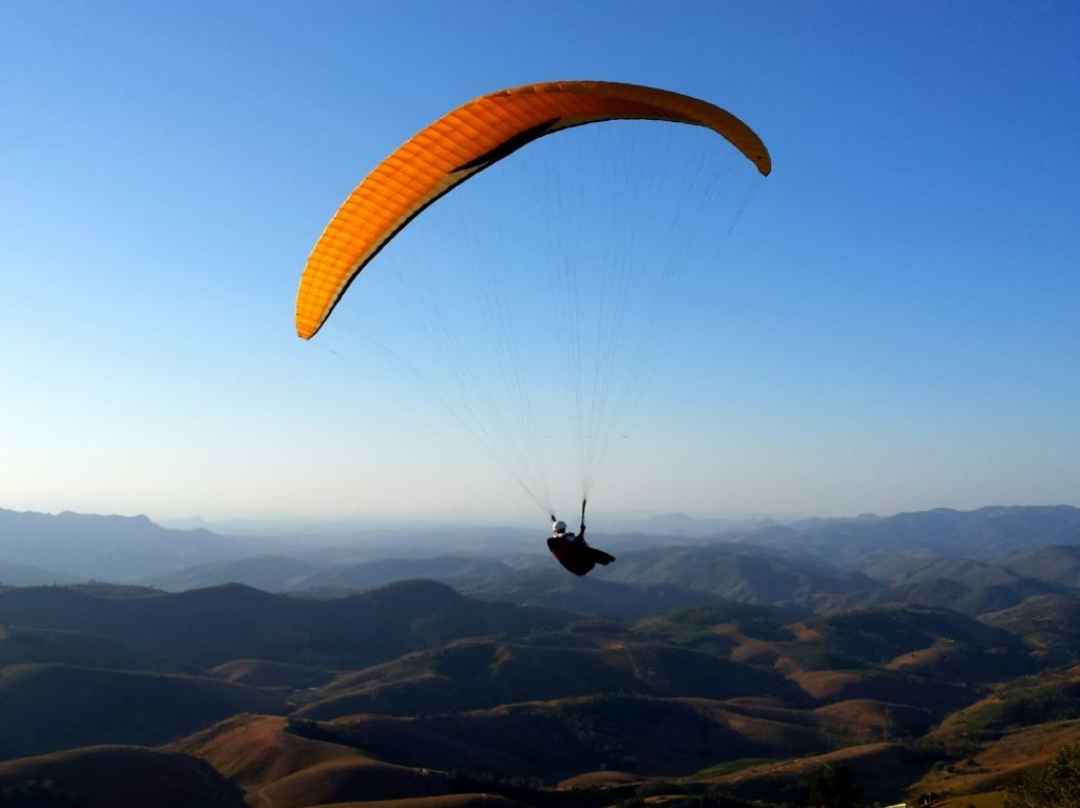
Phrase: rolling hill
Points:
(115, 777)
(46, 708)
(20, 645)
(272, 675)
(473, 674)
(1050, 696)
(928, 644)
(1048, 624)
(971, 587)
(269, 573)
(995, 763)
(279, 768)
(884, 770)
(457, 571)
(199, 629)
(589, 596)
(255, 750)
(1054, 564)
(737, 666)
(738, 572)
(948, 645)
(553, 740)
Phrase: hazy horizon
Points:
(313, 530)
(886, 323)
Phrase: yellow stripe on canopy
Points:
(466, 141)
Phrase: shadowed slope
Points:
(44, 708)
(268, 573)
(1054, 564)
(445, 801)
(19, 645)
(269, 674)
(1047, 697)
(588, 596)
(862, 721)
(892, 687)
(739, 572)
(351, 779)
(558, 739)
(209, 627)
(481, 673)
(885, 770)
(886, 634)
(118, 777)
(1048, 624)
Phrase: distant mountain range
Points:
(986, 534)
(978, 561)
(115, 548)
(130, 548)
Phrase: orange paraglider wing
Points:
(465, 142)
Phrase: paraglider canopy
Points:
(609, 230)
(466, 141)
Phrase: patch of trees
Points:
(1058, 784)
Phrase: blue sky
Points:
(893, 327)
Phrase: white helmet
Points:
(559, 528)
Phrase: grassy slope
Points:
(1053, 695)
(998, 762)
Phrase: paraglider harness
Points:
(572, 551)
